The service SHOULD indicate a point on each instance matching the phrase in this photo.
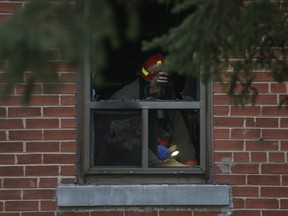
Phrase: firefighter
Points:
(152, 83)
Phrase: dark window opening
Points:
(141, 119)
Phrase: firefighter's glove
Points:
(163, 152)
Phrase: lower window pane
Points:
(116, 138)
(174, 138)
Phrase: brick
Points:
(228, 122)
(68, 170)
(221, 133)
(284, 145)
(48, 205)
(221, 100)
(173, 213)
(274, 111)
(230, 179)
(68, 146)
(218, 156)
(285, 180)
(11, 100)
(42, 123)
(241, 157)
(221, 110)
(60, 135)
(275, 168)
(29, 159)
(245, 191)
(261, 87)
(68, 181)
(6, 7)
(141, 213)
(262, 76)
(274, 213)
(20, 89)
(261, 203)
(267, 99)
(10, 194)
(59, 111)
(43, 146)
(48, 182)
(38, 194)
(68, 100)
(9, 214)
(59, 89)
(278, 88)
(63, 66)
(68, 123)
(21, 206)
(2, 112)
(284, 204)
(7, 159)
(37, 214)
(274, 191)
(25, 135)
(3, 136)
(283, 122)
(24, 111)
(207, 213)
(44, 100)
(11, 171)
(59, 158)
(219, 87)
(245, 133)
(275, 133)
(262, 122)
(277, 157)
(238, 203)
(75, 214)
(245, 168)
(11, 147)
(246, 213)
(263, 179)
(245, 111)
(11, 123)
(68, 77)
(228, 145)
(42, 170)
(262, 145)
(259, 157)
(20, 182)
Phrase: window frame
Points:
(88, 174)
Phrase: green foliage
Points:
(221, 34)
(214, 36)
(30, 35)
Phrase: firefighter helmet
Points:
(148, 70)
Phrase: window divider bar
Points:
(146, 104)
(145, 139)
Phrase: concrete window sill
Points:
(142, 195)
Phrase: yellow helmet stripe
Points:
(145, 72)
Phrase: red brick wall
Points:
(251, 150)
(38, 150)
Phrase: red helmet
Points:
(147, 72)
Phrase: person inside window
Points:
(155, 84)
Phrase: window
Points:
(142, 124)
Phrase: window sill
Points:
(143, 195)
